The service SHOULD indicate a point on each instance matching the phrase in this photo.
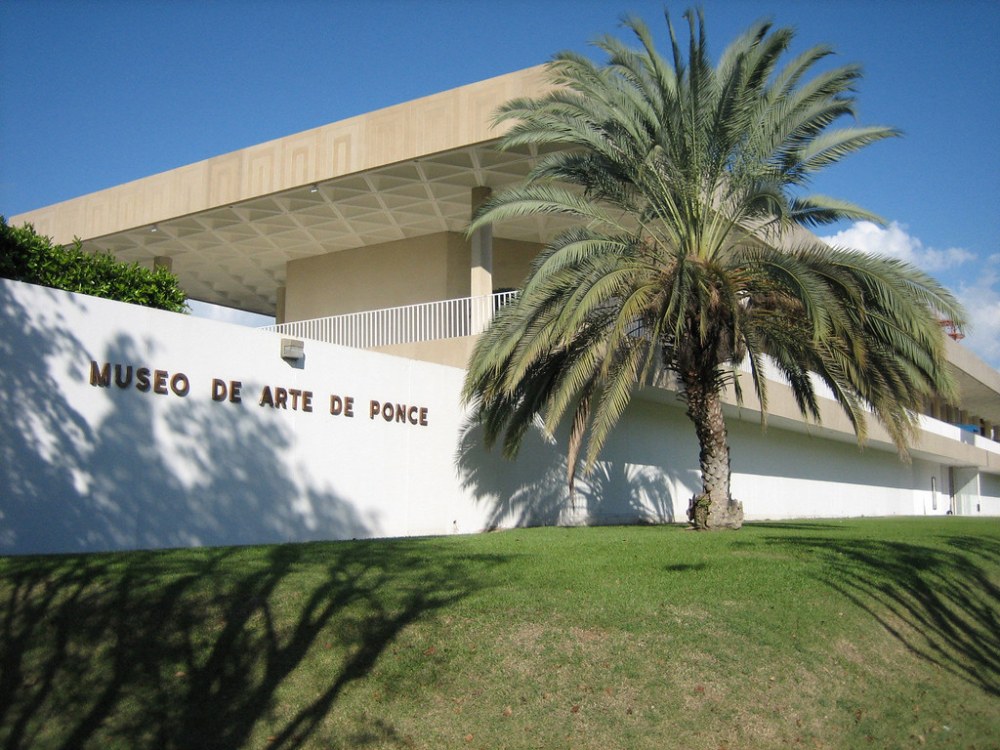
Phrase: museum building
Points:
(353, 236)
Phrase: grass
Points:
(865, 633)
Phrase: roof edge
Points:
(430, 124)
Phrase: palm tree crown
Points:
(688, 256)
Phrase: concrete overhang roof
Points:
(236, 255)
(230, 224)
(978, 383)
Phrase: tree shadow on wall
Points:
(211, 648)
(150, 470)
(942, 604)
(532, 489)
(42, 433)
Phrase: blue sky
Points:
(93, 94)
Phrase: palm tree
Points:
(688, 256)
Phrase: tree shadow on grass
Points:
(209, 648)
(941, 603)
(798, 525)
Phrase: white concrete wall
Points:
(989, 494)
(85, 467)
(782, 474)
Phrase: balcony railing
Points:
(451, 318)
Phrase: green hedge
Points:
(28, 256)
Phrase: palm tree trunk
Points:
(714, 508)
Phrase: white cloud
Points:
(896, 242)
(982, 304)
(228, 314)
(979, 294)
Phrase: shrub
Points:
(28, 256)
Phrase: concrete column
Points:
(481, 267)
(481, 280)
(279, 307)
(162, 261)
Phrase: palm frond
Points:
(684, 181)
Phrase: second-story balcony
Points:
(407, 324)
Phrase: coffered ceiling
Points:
(235, 255)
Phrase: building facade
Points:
(353, 235)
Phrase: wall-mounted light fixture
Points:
(314, 188)
(292, 350)
(154, 228)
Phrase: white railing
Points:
(428, 321)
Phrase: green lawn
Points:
(836, 634)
